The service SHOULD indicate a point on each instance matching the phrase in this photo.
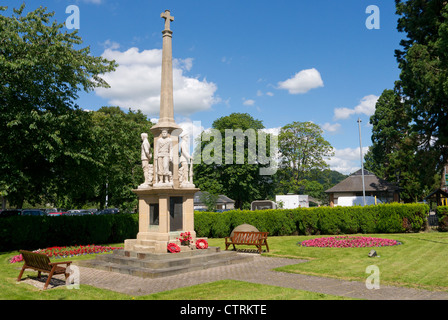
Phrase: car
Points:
(11, 213)
(54, 210)
(56, 213)
(108, 211)
(33, 212)
(79, 212)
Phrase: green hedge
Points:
(40, 232)
(384, 218)
(442, 215)
(28, 232)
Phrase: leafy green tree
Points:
(44, 137)
(117, 149)
(423, 60)
(229, 164)
(303, 149)
(392, 155)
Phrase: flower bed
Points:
(349, 242)
(64, 252)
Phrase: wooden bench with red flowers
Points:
(258, 239)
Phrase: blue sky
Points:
(280, 61)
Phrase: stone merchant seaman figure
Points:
(186, 163)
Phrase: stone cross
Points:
(166, 15)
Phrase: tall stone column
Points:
(166, 120)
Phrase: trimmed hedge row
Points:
(29, 232)
(40, 232)
(384, 218)
(442, 215)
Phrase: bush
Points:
(442, 215)
(384, 218)
(31, 233)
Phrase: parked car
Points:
(79, 212)
(108, 211)
(33, 212)
(55, 214)
(54, 210)
(11, 213)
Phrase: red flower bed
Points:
(64, 252)
(349, 242)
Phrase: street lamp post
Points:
(362, 163)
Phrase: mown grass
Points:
(220, 290)
(420, 262)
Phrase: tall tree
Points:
(423, 83)
(303, 149)
(234, 169)
(392, 155)
(41, 129)
(117, 149)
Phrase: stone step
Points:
(172, 260)
(165, 271)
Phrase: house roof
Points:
(221, 200)
(371, 183)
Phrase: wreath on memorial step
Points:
(173, 248)
(201, 244)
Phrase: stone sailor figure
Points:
(146, 156)
(164, 155)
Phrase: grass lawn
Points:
(420, 262)
(220, 290)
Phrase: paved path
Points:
(136, 286)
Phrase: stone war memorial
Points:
(165, 198)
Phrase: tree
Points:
(303, 149)
(423, 83)
(117, 149)
(392, 155)
(229, 163)
(44, 136)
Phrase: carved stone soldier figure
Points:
(146, 156)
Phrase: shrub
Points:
(384, 218)
(31, 233)
(442, 215)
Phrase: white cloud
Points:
(249, 102)
(136, 83)
(332, 128)
(274, 131)
(366, 106)
(109, 44)
(302, 82)
(346, 160)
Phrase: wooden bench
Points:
(41, 263)
(257, 239)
